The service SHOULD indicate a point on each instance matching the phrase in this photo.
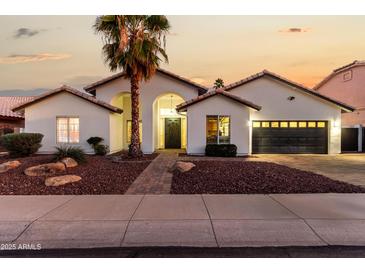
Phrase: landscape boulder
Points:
(69, 162)
(184, 166)
(62, 180)
(8, 165)
(45, 169)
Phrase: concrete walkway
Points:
(349, 168)
(156, 178)
(183, 220)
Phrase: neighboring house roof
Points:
(355, 63)
(266, 73)
(80, 94)
(212, 93)
(8, 102)
(162, 71)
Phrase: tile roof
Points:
(162, 71)
(70, 90)
(211, 93)
(266, 73)
(355, 63)
(7, 103)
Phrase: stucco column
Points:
(147, 126)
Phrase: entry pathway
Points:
(156, 178)
(183, 220)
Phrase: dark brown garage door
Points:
(289, 137)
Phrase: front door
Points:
(172, 132)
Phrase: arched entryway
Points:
(169, 126)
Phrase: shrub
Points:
(101, 149)
(93, 141)
(222, 150)
(76, 153)
(22, 144)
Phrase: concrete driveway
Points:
(349, 168)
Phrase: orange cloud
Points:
(26, 58)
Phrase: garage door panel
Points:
(289, 140)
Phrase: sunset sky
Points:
(47, 51)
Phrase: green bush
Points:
(76, 153)
(101, 149)
(93, 141)
(221, 150)
(22, 144)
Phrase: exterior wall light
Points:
(336, 123)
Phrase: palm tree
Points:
(218, 83)
(136, 45)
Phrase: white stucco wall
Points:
(41, 118)
(218, 105)
(272, 96)
(159, 85)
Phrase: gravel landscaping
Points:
(219, 177)
(100, 175)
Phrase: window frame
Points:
(68, 129)
(217, 117)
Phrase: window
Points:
(218, 129)
(256, 124)
(289, 124)
(265, 124)
(293, 124)
(321, 124)
(283, 124)
(274, 124)
(347, 76)
(302, 124)
(311, 124)
(68, 130)
(129, 131)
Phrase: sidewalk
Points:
(183, 220)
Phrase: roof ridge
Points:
(289, 82)
(217, 92)
(73, 91)
(163, 71)
(338, 70)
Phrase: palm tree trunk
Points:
(135, 146)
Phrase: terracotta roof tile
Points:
(70, 90)
(162, 71)
(289, 82)
(355, 63)
(7, 103)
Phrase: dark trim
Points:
(86, 97)
(214, 93)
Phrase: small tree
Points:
(219, 83)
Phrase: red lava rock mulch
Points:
(123, 156)
(212, 177)
(99, 176)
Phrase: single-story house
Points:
(264, 113)
(11, 121)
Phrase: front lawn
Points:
(100, 175)
(244, 177)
